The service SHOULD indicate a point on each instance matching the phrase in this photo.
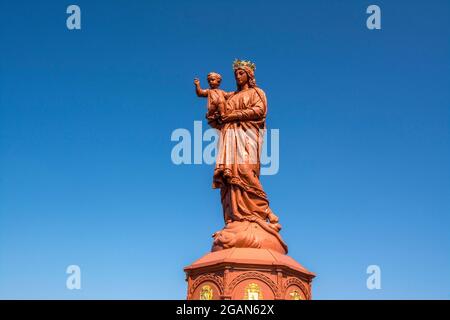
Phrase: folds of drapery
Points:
(238, 159)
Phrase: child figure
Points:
(216, 97)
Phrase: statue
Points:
(216, 97)
(240, 118)
(248, 258)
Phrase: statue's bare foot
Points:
(272, 217)
(275, 226)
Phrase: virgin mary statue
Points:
(249, 221)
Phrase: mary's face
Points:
(241, 77)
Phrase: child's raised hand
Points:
(196, 81)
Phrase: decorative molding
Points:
(257, 276)
(214, 278)
(298, 283)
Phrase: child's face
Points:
(214, 82)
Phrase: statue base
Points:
(249, 234)
(247, 274)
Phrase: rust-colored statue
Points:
(240, 117)
(249, 259)
(216, 97)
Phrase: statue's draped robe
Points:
(238, 160)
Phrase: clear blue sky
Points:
(86, 176)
